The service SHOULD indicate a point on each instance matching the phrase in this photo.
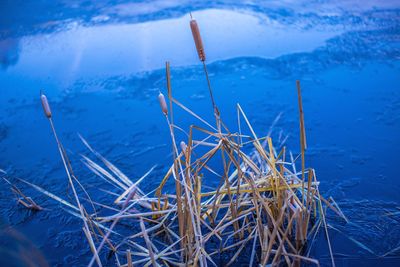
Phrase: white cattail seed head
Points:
(183, 146)
(46, 106)
(163, 103)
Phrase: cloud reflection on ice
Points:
(119, 49)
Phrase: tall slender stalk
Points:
(69, 172)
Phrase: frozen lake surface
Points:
(101, 65)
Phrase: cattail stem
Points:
(68, 170)
(215, 108)
(202, 56)
(210, 90)
(303, 143)
(169, 89)
(191, 203)
(178, 187)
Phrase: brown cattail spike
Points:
(163, 103)
(197, 39)
(46, 106)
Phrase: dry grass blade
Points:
(22, 198)
(148, 243)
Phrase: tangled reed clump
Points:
(263, 211)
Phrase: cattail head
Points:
(197, 39)
(163, 103)
(45, 105)
(183, 146)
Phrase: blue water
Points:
(101, 65)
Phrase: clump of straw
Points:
(263, 210)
